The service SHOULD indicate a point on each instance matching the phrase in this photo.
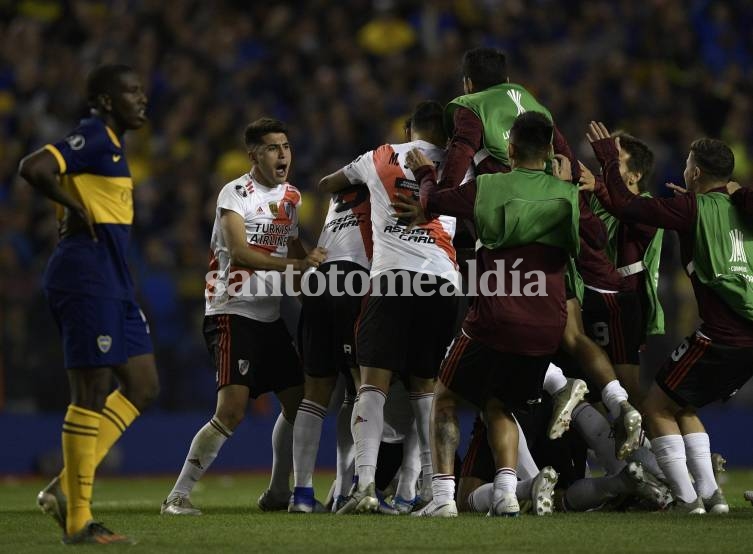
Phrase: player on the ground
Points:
(255, 229)
(327, 341)
(400, 331)
(711, 364)
(527, 223)
(91, 293)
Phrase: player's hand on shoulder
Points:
(733, 187)
(416, 158)
(408, 209)
(561, 167)
(679, 191)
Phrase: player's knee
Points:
(142, 394)
(230, 418)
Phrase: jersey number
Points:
(680, 350)
(600, 333)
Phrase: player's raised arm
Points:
(241, 255)
(41, 169)
(334, 182)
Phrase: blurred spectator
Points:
(341, 74)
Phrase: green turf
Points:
(232, 523)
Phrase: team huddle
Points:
(486, 189)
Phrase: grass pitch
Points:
(232, 523)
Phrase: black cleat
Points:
(96, 533)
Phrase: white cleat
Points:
(361, 501)
(507, 506)
(432, 509)
(565, 401)
(179, 506)
(716, 503)
(542, 490)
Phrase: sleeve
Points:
(294, 220)
(602, 194)
(465, 142)
(80, 150)
(743, 200)
(361, 169)
(592, 228)
(231, 198)
(678, 213)
(457, 202)
(561, 146)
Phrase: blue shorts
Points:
(99, 332)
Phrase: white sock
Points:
(505, 481)
(527, 468)
(368, 423)
(612, 395)
(670, 453)
(443, 488)
(410, 468)
(421, 404)
(345, 451)
(282, 456)
(480, 500)
(589, 494)
(554, 379)
(596, 431)
(204, 448)
(523, 489)
(698, 452)
(307, 431)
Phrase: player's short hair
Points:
(104, 79)
(486, 67)
(714, 158)
(428, 116)
(531, 133)
(641, 158)
(257, 129)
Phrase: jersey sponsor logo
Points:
(76, 142)
(104, 343)
(269, 234)
(195, 462)
(418, 235)
(259, 210)
(516, 97)
(345, 222)
(738, 252)
(116, 158)
(241, 191)
(243, 366)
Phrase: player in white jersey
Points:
(402, 329)
(327, 341)
(255, 229)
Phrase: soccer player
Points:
(327, 341)
(479, 124)
(635, 251)
(255, 227)
(528, 225)
(402, 330)
(91, 293)
(716, 360)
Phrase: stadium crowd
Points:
(343, 75)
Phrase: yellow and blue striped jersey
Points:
(93, 169)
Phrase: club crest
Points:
(104, 342)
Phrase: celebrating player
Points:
(255, 226)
